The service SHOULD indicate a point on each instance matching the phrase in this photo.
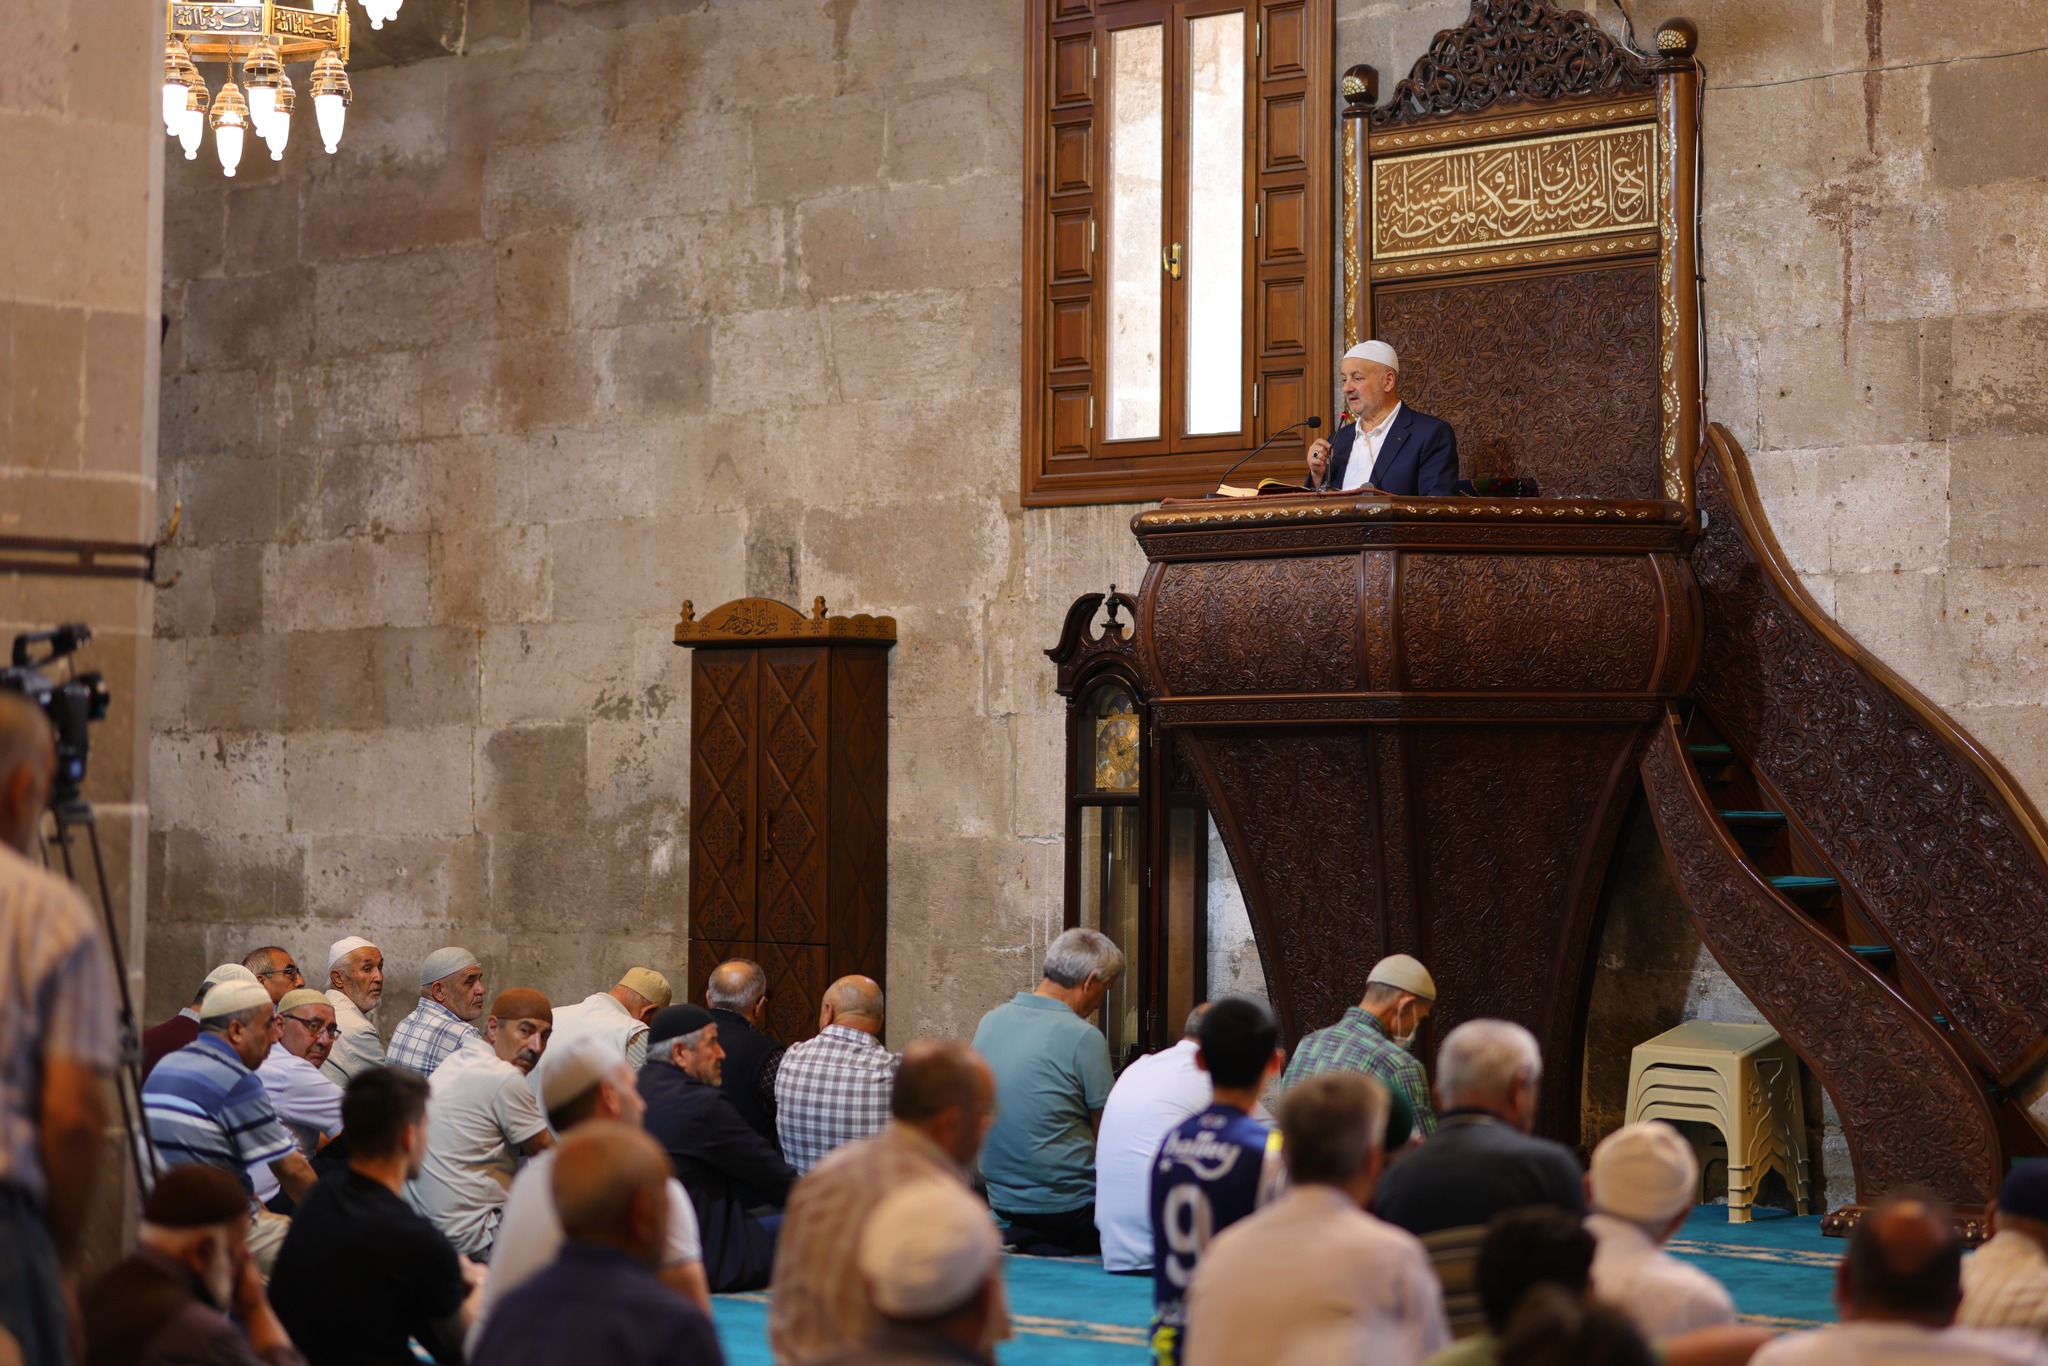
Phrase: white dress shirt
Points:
(2005, 1284)
(1663, 1295)
(1365, 451)
(531, 1235)
(1864, 1343)
(307, 1102)
(1313, 1266)
(1154, 1094)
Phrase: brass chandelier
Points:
(261, 38)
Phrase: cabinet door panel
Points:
(723, 699)
(796, 981)
(794, 689)
(860, 813)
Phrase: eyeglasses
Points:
(314, 1027)
(288, 970)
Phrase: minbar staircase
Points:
(1869, 876)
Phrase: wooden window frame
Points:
(1289, 289)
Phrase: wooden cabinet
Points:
(789, 799)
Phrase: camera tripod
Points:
(72, 814)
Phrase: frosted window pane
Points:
(1215, 268)
(1137, 183)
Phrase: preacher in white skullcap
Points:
(1403, 973)
(575, 1069)
(927, 1249)
(231, 972)
(342, 948)
(446, 962)
(232, 998)
(1376, 351)
(1645, 1173)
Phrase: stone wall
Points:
(621, 305)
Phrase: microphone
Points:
(1309, 422)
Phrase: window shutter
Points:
(1292, 307)
(1063, 303)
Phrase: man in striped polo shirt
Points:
(205, 1103)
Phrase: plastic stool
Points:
(1742, 1081)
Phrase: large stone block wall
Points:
(622, 305)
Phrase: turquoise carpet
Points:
(1071, 1313)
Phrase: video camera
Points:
(72, 705)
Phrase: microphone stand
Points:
(1309, 422)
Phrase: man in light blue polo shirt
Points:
(1052, 1080)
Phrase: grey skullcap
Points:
(446, 962)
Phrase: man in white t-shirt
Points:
(482, 1117)
(619, 1017)
(1897, 1291)
(1149, 1100)
(308, 1104)
(584, 1082)
(1644, 1182)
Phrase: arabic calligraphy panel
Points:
(1508, 193)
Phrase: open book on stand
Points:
(1266, 488)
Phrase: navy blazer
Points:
(1419, 457)
(720, 1161)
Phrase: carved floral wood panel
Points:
(1528, 622)
(792, 795)
(1551, 377)
(1288, 625)
(722, 884)
(1926, 843)
(1913, 1112)
(1512, 50)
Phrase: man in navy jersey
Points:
(1211, 1169)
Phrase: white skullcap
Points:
(926, 1249)
(231, 972)
(342, 948)
(232, 998)
(570, 1071)
(1645, 1173)
(444, 962)
(1375, 351)
(1400, 971)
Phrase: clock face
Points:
(1116, 752)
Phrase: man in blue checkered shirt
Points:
(834, 1088)
(451, 995)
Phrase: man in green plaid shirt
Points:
(1374, 1035)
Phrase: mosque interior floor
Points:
(1068, 1312)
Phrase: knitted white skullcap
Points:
(444, 962)
(231, 972)
(572, 1070)
(1645, 1173)
(342, 948)
(1400, 971)
(926, 1249)
(1375, 351)
(231, 998)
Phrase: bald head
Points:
(28, 765)
(610, 1184)
(738, 985)
(1905, 1264)
(855, 1002)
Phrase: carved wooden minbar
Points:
(1417, 722)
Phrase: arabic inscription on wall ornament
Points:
(1508, 193)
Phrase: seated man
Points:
(618, 1016)
(1522, 1249)
(482, 1118)
(1644, 1182)
(1314, 1265)
(355, 984)
(586, 1082)
(1210, 1171)
(363, 1277)
(451, 995)
(308, 1104)
(1374, 1037)
(834, 1087)
(934, 1266)
(942, 1102)
(1387, 445)
(276, 970)
(1482, 1158)
(717, 1157)
(205, 1104)
(737, 996)
(599, 1301)
(1052, 1080)
(1155, 1093)
(168, 1304)
(159, 1041)
(2005, 1282)
(1897, 1292)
